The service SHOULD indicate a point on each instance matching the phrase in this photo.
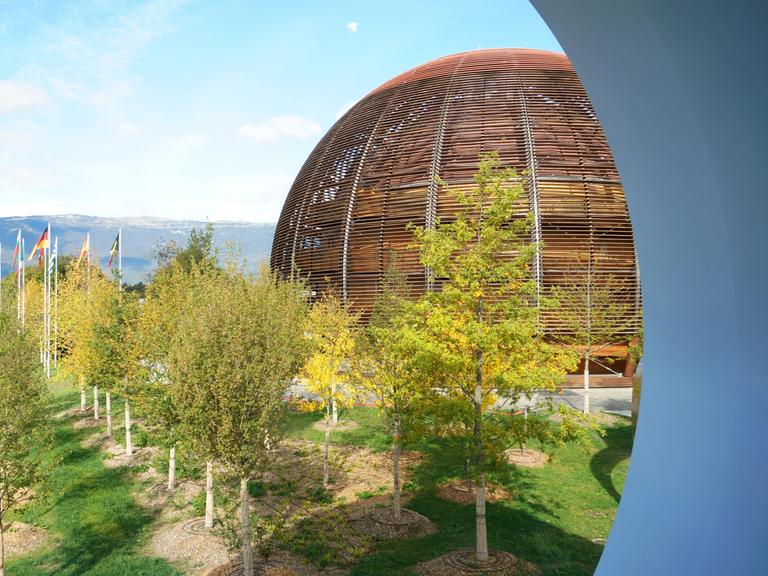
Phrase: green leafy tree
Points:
(479, 330)
(24, 418)
(594, 311)
(236, 356)
(112, 346)
(387, 371)
(331, 333)
(151, 337)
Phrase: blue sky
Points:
(204, 108)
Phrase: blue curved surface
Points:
(681, 89)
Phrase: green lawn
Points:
(97, 528)
(556, 513)
(94, 523)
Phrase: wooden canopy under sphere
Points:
(376, 170)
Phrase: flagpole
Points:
(120, 259)
(20, 257)
(23, 286)
(48, 308)
(56, 305)
(88, 259)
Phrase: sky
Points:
(204, 109)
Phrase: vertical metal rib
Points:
(430, 216)
(533, 189)
(353, 193)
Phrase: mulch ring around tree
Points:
(457, 491)
(380, 523)
(281, 563)
(89, 422)
(21, 538)
(528, 458)
(70, 412)
(463, 562)
(340, 426)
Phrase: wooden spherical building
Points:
(376, 170)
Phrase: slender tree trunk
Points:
(469, 474)
(172, 468)
(128, 442)
(95, 401)
(2, 548)
(209, 494)
(525, 429)
(108, 397)
(334, 408)
(480, 524)
(396, 449)
(326, 448)
(83, 403)
(245, 525)
(586, 380)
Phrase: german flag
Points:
(40, 245)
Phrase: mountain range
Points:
(141, 237)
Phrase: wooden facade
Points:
(376, 170)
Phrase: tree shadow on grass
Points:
(96, 522)
(552, 550)
(618, 447)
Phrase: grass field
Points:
(94, 523)
(556, 514)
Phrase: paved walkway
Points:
(614, 400)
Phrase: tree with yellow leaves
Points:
(84, 300)
(331, 332)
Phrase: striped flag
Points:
(17, 256)
(54, 255)
(114, 250)
(85, 249)
(41, 245)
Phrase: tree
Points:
(387, 370)
(479, 330)
(236, 356)
(152, 334)
(331, 332)
(593, 310)
(84, 298)
(112, 349)
(24, 421)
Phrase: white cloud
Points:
(278, 128)
(83, 61)
(16, 96)
(352, 26)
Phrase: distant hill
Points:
(140, 238)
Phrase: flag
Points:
(54, 255)
(41, 245)
(85, 249)
(114, 250)
(17, 252)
